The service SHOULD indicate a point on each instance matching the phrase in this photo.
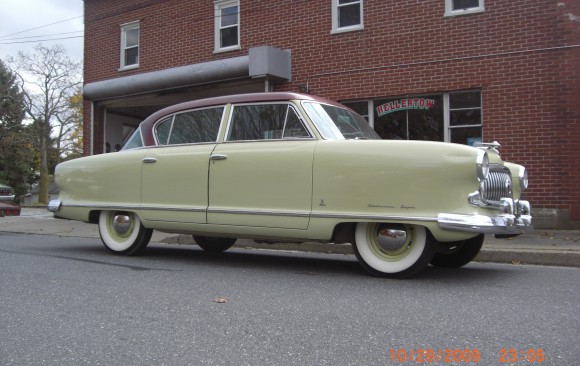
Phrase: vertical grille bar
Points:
(496, 187)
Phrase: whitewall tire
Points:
(122, 232)
(393, 250)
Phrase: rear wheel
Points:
(458, 253)
(215, 245)
(393, 250)
(122, 232)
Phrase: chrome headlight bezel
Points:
(523, 178)
(482, 165)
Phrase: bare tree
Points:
(49, 79)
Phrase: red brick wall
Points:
(522, 54)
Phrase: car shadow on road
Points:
(161, 257)
(267, 260)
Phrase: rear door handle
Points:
(218, 157)
(149, 160)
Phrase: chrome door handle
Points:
(218, 157)
(149, 160)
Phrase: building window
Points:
(464, 114)
(130, 45)
(451, 117)
(227, 25)
(459, 7)
(347, 15)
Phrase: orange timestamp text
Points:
(430, 355)
(457, 355)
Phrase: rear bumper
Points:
(515, 220)
(54, 205)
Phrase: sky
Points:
(26, 23)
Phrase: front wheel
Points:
(393, 250)
(122, 232)
(458, 254)
(215, 245)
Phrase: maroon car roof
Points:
(147, 125)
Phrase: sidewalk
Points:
(545, 247)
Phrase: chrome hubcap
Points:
(121, 224)
(391, 239)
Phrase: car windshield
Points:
(335, 123)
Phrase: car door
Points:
(175, 174)
(261, 176)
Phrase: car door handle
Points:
(149, 160)
(218, 157)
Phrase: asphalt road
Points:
(67, 301)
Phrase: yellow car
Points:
(287, 166)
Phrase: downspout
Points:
(92, 127)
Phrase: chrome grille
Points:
(497, 185)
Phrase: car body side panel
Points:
(175, 181)
(107, 181)
(407, 182)
(262, 184)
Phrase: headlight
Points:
(523, 176)
(482, 165)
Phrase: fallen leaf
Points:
(221, 300)
(516, 262)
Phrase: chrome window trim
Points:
(288, 103)
(172, 116)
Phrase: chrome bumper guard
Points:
(54, 205)
(514, 218)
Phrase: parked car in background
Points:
(286, 166)
(6, 193)
(6, 198)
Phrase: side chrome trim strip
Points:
(134, 207)
(262, 212)
(302, 214)
(357, 217)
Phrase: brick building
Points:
(449, 70)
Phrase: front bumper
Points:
(515, 219)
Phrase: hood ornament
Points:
(493, 146)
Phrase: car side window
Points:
(162, 130)
(294, 127)
(190, 127)
(265, 122)
(134, 141)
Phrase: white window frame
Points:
(335, 22)
(218, 6)
(450, 12)
(124, 28)
(447, 114)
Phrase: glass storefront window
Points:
(452, 117)
(412, 118)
